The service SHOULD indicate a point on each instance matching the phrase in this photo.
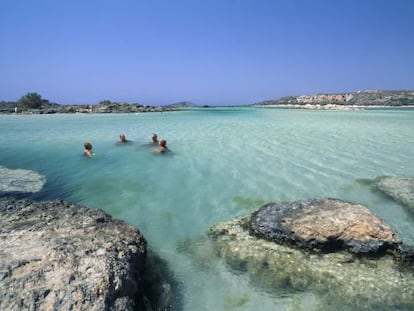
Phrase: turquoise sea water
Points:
(224, 162)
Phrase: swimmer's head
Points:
(163, 142)
(88, 146)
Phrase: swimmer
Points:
(88, 149)
(162, 146)
(154, 139)
(122, 138)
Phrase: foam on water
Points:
(224, 162)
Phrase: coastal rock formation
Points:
(61, 256)
(273, 257)
(325, 224)
(352, 99)
(103, 107)
(399, 188)
(20, 180)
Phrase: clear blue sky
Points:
(214, 52)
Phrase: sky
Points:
(211, 52)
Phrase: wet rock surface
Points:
(61, 256)
(20, 180)
(338, 278)
(399, 188)
(281, 246)
(327, 224)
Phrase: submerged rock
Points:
(327, 224)
(276, 258)
(55, 255)
(20, 180)
(399, 188)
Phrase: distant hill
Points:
(181, 105)
(360, 98)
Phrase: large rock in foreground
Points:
(267, 245)
(399, 188)
(60, 256)
(20, 180)
(325, 224)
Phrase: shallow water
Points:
(224, 162)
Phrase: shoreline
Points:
(172, 109)
(335, 107)
(85, 112)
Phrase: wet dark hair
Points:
(88, 146)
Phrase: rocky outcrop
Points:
(60, 256)
(327, 224)
(119, 107)
(360, 98)
(399, 188)
(285, 246)
(103, 107)
(20, 180)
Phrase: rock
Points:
(60, 256)
(337, 278)
(20, 180)
(406, 254)
(327, 224)
(399, 188)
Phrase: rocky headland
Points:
(334, 248)
(345, 101)
(61, 256)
